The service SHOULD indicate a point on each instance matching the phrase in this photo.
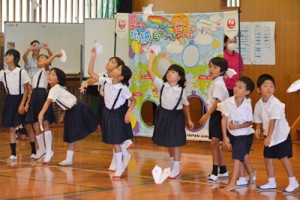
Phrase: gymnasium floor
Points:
(88, 178)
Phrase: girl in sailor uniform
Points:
(79, 120)
(169, 122)
(37, 99)
(116, 127)
(16, 83)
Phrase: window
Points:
(230, 3)
(57, 11)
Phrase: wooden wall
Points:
(285, 13)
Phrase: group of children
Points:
(230, 118)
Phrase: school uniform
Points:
(79, 120)
(38, 98)
(14, 85)
(216, 90)
(281, 143)
(114, 128)
(241, 139)
(169, 121)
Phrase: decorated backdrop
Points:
(189, 40)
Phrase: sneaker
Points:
(39, 154)
(126, 160)
(32, 156)
(291, 188)
(174, 174)
(223, 175)
(65, 163)
(129, 144)
(212, 178)
(242, 181)
(12, 158)
(48, 157)
(118, 173)
(268, 186)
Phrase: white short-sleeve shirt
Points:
(60, 95)
(170, 95)
(272, 109)
(237, 115)
(13, 78)
(217, 90)
(43, 80)
(111, 91)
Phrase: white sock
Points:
(292, 180)
(172, 162)
(124, 150)
(119, 164)
(41, 142)
(70, 156)
(48, 139)
(112, 165)
(176, 165)
(272, 180)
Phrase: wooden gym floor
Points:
(88, 178)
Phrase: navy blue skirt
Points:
(114, 129)
(79, 122)
(11, 117)
(100, 109)
(169, 128)
(38, 98)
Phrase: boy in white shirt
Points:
(237, 128)
(269, 115)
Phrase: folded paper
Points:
(294, 87)
(98, 47)
(230, 72)
(160, 175)
(63, 57)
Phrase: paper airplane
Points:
(63, 57)
(294, 87)
(160, 175)
(35, 4)
(230, 72)
(147, 11)
(98, 47)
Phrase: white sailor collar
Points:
(116, 86)
(176, 87)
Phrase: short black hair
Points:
(34, 41)
(126, 73)
(181, 73)
(264, 77)
(61, 76)
(16, 55)
(248, 82)
(220, 62)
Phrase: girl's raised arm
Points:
(91, 65)
(150, 65)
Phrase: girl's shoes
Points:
(48, 157)
(65, 163)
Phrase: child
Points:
(113, 63)
(79, 120)
(237, 119)
(217, 93)
(37, 99)
(31, 63)
(269, 115)
(16, 84)
(169, 125)
(116, 127)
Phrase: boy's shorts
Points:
(214, 126)
(281, 150)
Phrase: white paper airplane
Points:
(63, 57)
(35, 4)
(230, 72)
(147, 11)
(160, 175)
(294, 87)
(98, 47)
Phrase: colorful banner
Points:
(189, 40)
